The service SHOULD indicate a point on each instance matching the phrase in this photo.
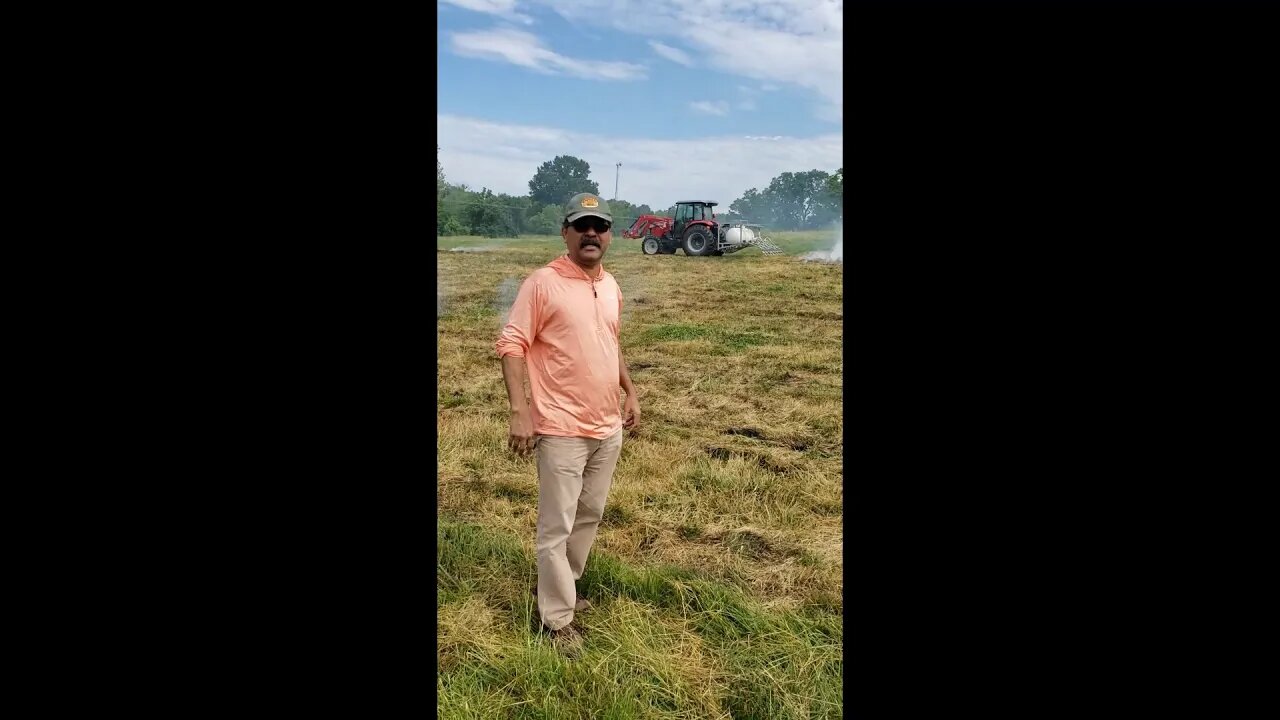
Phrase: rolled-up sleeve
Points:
(523, 322)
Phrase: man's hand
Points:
(520, 441)
(631, 412)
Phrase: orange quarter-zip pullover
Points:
(565, 325)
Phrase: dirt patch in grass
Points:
(616, 515)
(765, 462)
(514, 491)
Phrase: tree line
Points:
(794, 201)
(791, 201)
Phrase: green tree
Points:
(624, 213)
(835, 184)
(451, 226)
(439, 176)
(446, 223)
(486, 216)
(518, 209)
(792, 201)
(546, 221)
(753, 208)
(560, 179)
(453, 205)
(801, 200)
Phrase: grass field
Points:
(716, 578)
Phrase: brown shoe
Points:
(567, 639)
(581, 605)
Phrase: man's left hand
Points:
(631, 413)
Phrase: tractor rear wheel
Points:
(697, 242)
(649, 246)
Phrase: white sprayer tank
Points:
(738, 236)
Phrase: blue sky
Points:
(695, 99)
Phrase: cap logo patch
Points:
(590, 202)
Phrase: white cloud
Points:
(774, 42)
(710, 108)
(505, 9)
(503, 158)
(748, 101)
(814, 64)
(526, 50)
(673, 54)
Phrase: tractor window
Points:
(683, 214)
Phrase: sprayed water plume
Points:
(506, 298)
(834, 255)
(472, 249)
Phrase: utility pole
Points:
(615, 181)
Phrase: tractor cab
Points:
(688, 211)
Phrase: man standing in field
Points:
(564, 327)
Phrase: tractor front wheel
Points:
(697, 242)
(649, 246)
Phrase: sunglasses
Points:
(595, 223)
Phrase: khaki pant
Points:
(574, 476)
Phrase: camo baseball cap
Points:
(584, 204)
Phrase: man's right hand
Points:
(520, 441)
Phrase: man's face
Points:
(587, 239)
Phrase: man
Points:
(564, 327)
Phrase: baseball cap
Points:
(584, 204)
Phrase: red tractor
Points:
(696, 231)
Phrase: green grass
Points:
(662, 642)
(716, 576)
(723, 338)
